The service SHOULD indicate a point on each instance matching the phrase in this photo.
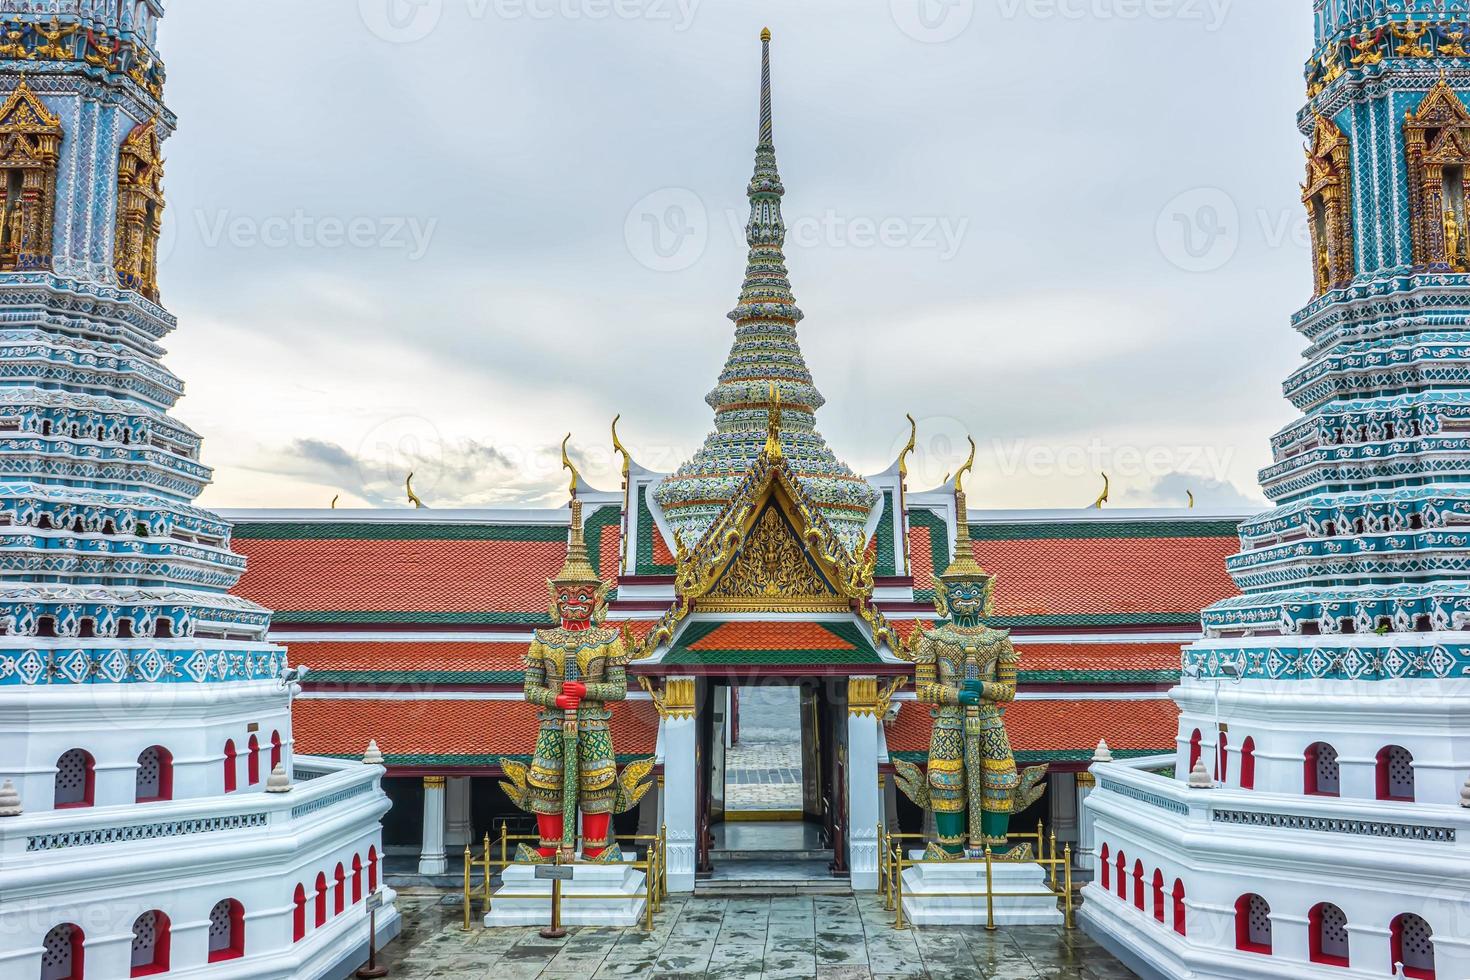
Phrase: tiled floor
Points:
(763, 769)
(841, 938)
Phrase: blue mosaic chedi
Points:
(765, 357)
(1371, 535)
(108, 573)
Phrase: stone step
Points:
(726, 856)
(770, 887)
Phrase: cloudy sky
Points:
(439, 234)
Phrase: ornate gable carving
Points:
(1327, 195)
(772, 571)
(1437, 147)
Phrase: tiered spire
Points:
(765, 373)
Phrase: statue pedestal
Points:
(621, 901)
(952, 893)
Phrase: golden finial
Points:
(765, 33)
(566, 462)
(413, 498)
(968, 467)
(773, 424)
(963, 565)
(903, 457)
(1107, 485)
(334, 501)
(618, 448)
(1191, 498)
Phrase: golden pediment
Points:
(772, 571)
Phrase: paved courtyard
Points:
(763, 769)
(842, 938)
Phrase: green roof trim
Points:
(887, 564)
(407, 531)
(938, 538)
(285, 617)
(516, 677)
(862, 652)
(592, 527)
(1054, 755)
(1093, 676)
(646, 530)
(1095, 529)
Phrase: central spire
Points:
(765, 376)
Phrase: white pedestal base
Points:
(587, 879)
(964, 884)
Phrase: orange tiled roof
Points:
(1098, 656)
(446, 732)
(1060, 730)
(751, 635)
(419, 575)
(1069, 576)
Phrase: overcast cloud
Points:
(439, 234)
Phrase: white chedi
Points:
(1199, 777)
(10, 800)
(373, 756)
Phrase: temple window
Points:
(275, 750)
(76, 778)
(1122, 871)
(139, 210)
(252, 761)
(1106, 868)
(1248, 764)
(1328, 199)
(1158, 895)
(339, 889)
(1180, 920)
(1222, 759)
(1138, 895)
(1194, 748)
(372, 869)
(1327, 935)
(1253, 925)
(321, 899)
(1413, 945)
(150, 944)
(1437, 144)
(226, 931)
(356, 879)
(230, 767)
(1395, 769)
(155, 777)
(1321, 774)
(62, 953)
(30, 141)
(298, 914)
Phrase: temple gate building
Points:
(763, 561)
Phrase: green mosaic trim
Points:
(863, 652)
(1092, 530)
(646, 530)
(1036, 758)
(887, 565)
(1093, 676)
(938, 539)
(415, 759)
(515, 677)
(593, 527)
(290, 616)
(283, 531)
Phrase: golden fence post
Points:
(485, 858)
(1067, 857)
(898, 922)
(663, 861)
(989, 895)
(648, 887)
(468, 900)
(502, 845)
(1053, 859)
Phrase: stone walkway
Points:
(841, 938)
(763, 769)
